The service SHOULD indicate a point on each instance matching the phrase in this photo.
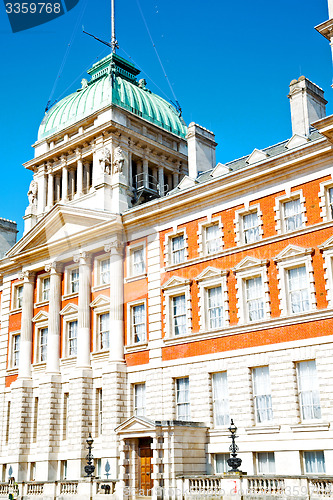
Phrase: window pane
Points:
(178, 249)
(298, 290)
(19, 296)
(213, 240)
(43, 344)
(215, 309)
(46, 289)
(221, 464)
(74, 284)
(308, 390)
(266, 463)
(104, 330)
(105, 272)
(251, 227)
(183, 399)
(140, 400)
(16, 350)
(330, 202)
(72, 338)
(314, 462)
(179, 315)
(139, 323)
(220, 399)
(138, 261)
(292, 214)
(262, 394)
(254, 299)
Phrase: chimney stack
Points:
(307, 104)
(201, 150)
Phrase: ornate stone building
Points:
(155, 294)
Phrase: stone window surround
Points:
(40, 280)
(248, 268)
(238, 221)
(290, 258)
(67, 279)
(101, 305)
(211, 221)
(11, 366)
(323, 199)
(130, 333)
(14, 306)
(211, 278)
(129, 260)
(279, 210)
(174, 287)
(327, 249)
(97, 273)
(167, 246)
(133, 389)
(68, 314)
(40, 323)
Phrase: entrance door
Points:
(146, 468)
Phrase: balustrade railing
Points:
(266, 486)
(69, 487)
(35, 489)
(321, 487)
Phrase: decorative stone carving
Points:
(32, 193)
(84, 83)
(27, 275)
(105, 161)
(114, 245)
(119, 159)
(56, 267)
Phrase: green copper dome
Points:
(113, 80)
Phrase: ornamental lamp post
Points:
(234, 462)
(89, 468)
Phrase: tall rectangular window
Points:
(104, 331)
(212, 239)
(251, 228)
(254, 299)
(183, 398)
(314, 462)
(72, 338)
(308, 390)
(138, 262)
(179, 315)
(8, 422)
(221, 464)
(292, 214)
(215, 307)
(19, 297)
(35, 421)
(45, 289)
(330, 202)
(138, 323)
(16, 350)
(65, 416)
(63, 470)
(265, 462)
(140, 400)
(74, 281)
(262, 394)
(220, 399)
(42, 348)
(298, 288)
(178, 249)
(99, 412)
(104, 272)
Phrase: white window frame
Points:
(98, 284)
(259, 462)
(68, 282)
(256, 396)
(174, 287)
(40, 289)
(186, 403)
(139, 411)
(246, 269)
(279, 211)
(130, 324)
(226, 467)
(69, 313)
(11, 361)
(327, 249)
(38, 353)
(41, 322)
(101, 305)
(202, 243)
(168, 260)
(316, 390)
(225, 399)
(292, 257)
(99, 346)
(15, 305)
(211, 278)
(324, 200)
(239, 225)
(130, 250)
(305, 471)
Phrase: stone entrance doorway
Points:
(145, 453)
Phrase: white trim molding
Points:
(202, 246)
(212, 277)
(239, 226)
(292, 257)
(168, 250)
(279, 210)
(324, 200)
(327, 249)
(175, 287)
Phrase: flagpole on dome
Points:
(114, 43)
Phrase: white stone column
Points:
(116, 341)
(53, 338)
(26, 324)
(145, 172)
(87, 180)
(130, 172)
(50, 189)
(175, 180)
(42, 186)
(64, 182)
(161, 179)
(83, 334)
(79, 174)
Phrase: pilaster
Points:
(26, 324)
(83, 340)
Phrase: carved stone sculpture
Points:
(119, 160)
(105, 162)
(32, 193)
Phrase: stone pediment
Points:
(186, 182)
(210, 273)
(255, 156)
(41, 316)
(100, 301)
(61, 225)
(69, 309)
(296, 141)
(292, 251)
(249, 263)
(134, 425)
(219, 170)
(175, 281)
(327, 244)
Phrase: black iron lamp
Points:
(234, 462)
(89, 468)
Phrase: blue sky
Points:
(229, 64)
